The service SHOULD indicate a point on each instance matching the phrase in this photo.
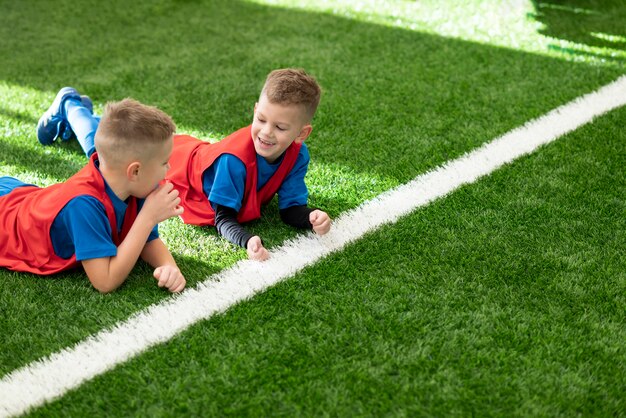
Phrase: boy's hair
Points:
(291, 86)
(129, 130)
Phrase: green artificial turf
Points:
(504, 299)
(400, 97)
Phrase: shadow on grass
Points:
(592, 23)
(579, 53)
(39, 160)
(19, 117)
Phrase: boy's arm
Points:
(297, 216)
(166, 271)
(224, 184)
(108, 273)
(227, 226)
(293, 196)
(302, 216)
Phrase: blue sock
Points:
(83, 123)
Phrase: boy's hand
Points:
(170, 277)
(162, 203)
(256, 251)
(320, 221)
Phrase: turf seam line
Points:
(52, 376)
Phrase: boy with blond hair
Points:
(225, 184)
(105, 216)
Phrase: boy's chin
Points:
(263, 152)
(269, 153)
(269, 156)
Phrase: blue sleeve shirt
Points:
(7, 184)
(82, 228)
(224, 181)
(293, 191)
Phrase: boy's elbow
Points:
(104, 287)
(100, 275)
(103, 284)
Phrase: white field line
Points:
(52, 376)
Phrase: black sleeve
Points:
(228, 227)
(297, 216)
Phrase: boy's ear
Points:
(132, 171)
(304, 133)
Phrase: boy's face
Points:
(152, 170)
(276, 126)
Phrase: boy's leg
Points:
(82, 122)
(52, 124)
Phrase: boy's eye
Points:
(280, 128)
(261, 120)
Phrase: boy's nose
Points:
(266, 130)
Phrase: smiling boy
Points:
(224, 184)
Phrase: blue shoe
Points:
(53, 123)
(66, 130)
(86, 101)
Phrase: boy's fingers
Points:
(167, 186)
(178, 288)
(318, 218)
(171, 281)
(259, 253)
(160, 188)
(164, 277)
(179, 285)
(170, 278)
(173, 193)
(323, 227)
